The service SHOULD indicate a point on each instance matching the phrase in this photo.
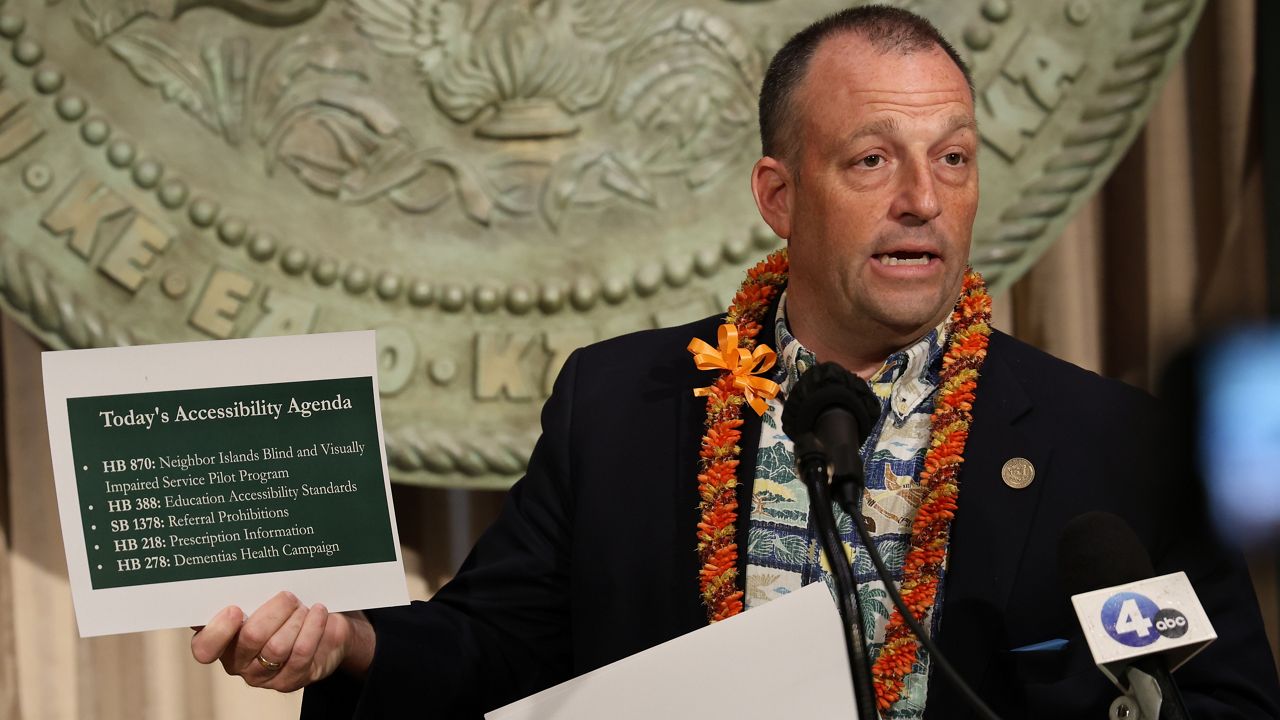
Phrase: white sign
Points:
(198, 475)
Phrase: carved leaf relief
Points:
(157, 65)
(677, 84)
(692, 89)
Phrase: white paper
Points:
(183, 366)
(790, 650)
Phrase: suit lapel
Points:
(991, 527)
(690, 427)
(688, 436)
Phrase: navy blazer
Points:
(593, 556)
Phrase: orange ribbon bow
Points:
(739, 363)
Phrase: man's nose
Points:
(916, 200)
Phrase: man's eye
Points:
(953, 159)
(871, 161)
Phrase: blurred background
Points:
(1182, 241)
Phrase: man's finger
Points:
(258, 629)
(276, 652)
(298, 671)
(211, 641)
(310, 636)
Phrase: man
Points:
(869, 172)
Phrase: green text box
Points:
(230, 481)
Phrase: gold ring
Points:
(268, 664)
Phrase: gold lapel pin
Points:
(1018, 473)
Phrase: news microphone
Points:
(836, 409)
(1139, 628)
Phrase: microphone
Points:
(1139, 628)
(836, 409)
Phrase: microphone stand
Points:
(909, 618)
(830, 402)
(1152, 689)
(812, 463)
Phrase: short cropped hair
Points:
(888, 29)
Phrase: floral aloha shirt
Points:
(783, 548)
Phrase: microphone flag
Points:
(1155, 616)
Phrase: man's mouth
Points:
(895, 259)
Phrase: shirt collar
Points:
(907, 378)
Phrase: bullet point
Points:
(93, 527)
(95, 547)
(90, 507)
(99, 567)
(84, 467)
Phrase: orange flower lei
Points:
(931, 531)
(718, 462)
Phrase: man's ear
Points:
(772, 185)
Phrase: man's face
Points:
(883, 187)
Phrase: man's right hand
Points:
(284, 645)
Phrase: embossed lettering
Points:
(559, 344)
(17, 130)
(220, 304)
(1045, 67)
(135, 252)
(81, 211)
(397, 356)
(284, 314)
(499, 368)
(1016, 104)
(1007, 117)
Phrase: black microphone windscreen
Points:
(1098, 550)
(824, 386)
